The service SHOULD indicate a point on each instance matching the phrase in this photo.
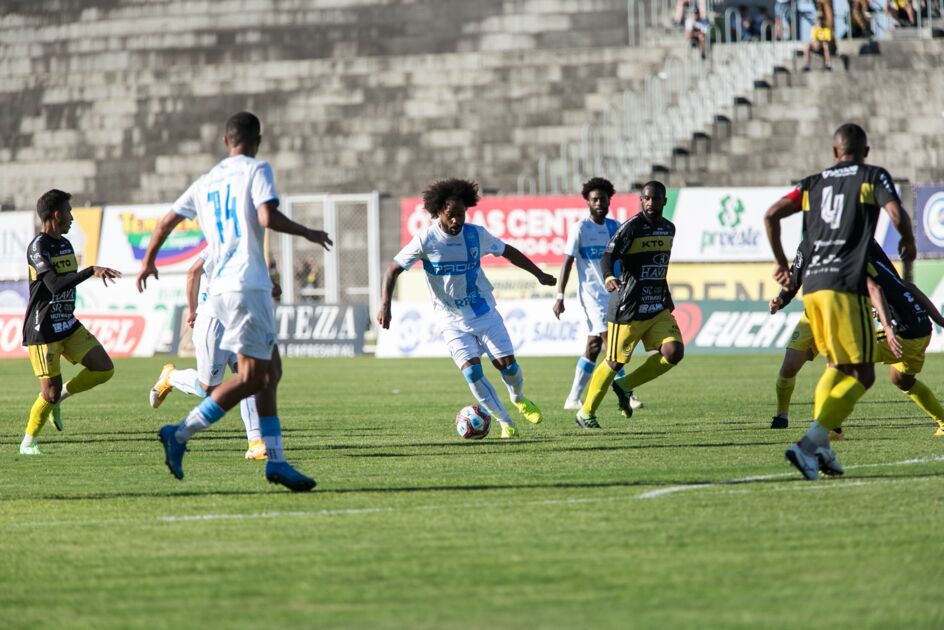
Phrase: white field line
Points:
(661, 492)
(651, 494)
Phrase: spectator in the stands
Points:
(701, 7)
(696, 32)
(901, 12)
(821, 42)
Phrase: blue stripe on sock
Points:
(511, 370)
(269, 426)
(473, 373)
(585, 364)
(210, 410)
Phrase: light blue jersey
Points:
(459, 288)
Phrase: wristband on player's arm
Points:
(608, 278)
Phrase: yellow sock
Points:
(784, 394)
(840, 402)
(600, 381)
(654, 367)
(39, 413)
(87, 379)
(925, 398)
(829, 379)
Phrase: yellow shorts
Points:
(842, 326)
(912, 358)
(45, 357)
(621, 339)
(802, 338)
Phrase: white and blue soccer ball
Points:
(473, 423)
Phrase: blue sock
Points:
(271, 430)
(199, 418)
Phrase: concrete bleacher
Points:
(123, 101)
(786, 132)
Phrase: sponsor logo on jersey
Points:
(184, 242)
(653, 272)
(845, 171)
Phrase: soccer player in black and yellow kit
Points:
(50, 330)
(840, 209)
(905, 314)
(640, 307)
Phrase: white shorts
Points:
(471, 339)
(211, 359)
(595, 314)
(248, 320)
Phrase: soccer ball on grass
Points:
(473, 423)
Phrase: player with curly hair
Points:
(586, 241)
(451, 251)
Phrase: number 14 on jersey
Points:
(225, 213)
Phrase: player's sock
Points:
(824, 386)
(186, 381)
(485, 393)
(87, 379)
(201, 417)
(514, 381)
(817, 436)
(39, 413)
(925, 398)
(603, 375)
(581, 378)
(654, 367)
(250, 415)
(27, 440)
(841, 400)
(784, 394)
(271, 430)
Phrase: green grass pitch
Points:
(410, 527)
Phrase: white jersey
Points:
(586, 241)
(459, 288)
(225, 201)
(204, 292)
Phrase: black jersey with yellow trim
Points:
(909, 318)
(643, 250)
(49, 316)
(840, 211)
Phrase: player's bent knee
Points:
(594, 346)
(473, 373)
(904, 382)
(674, 354)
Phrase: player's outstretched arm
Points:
(193, 289)
(567, 265)
(163, 230)
(271, 217)
(881, 309)
(902, 222)
(389, 283)
(58, 283)
(783, 208)
(516, 258)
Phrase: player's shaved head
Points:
(440, 193)
(656, 187)
(850, 140)
(243, 130)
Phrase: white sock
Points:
(250, 415)
(581, 377)
(27, 440)
(514, 381)
(186, 381)
(488, 398)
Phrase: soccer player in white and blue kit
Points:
(235, 202)
(451, 251)
(586, 241)
(212, 360)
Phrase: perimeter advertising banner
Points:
(929, 221)
(126, 233)
(17, 229)
(707, 327)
